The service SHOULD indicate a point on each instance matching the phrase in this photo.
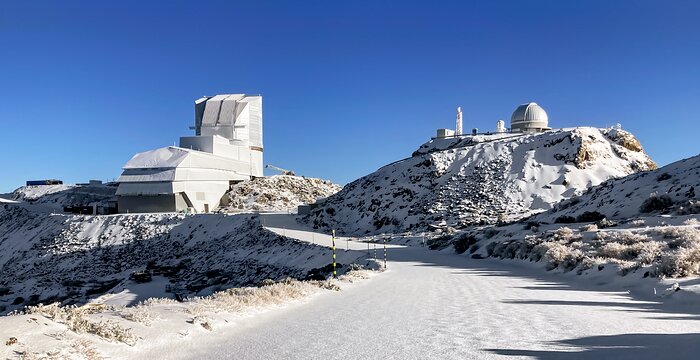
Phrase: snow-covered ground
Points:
(428, 304)
(572, 285)
(482, 179)
(75, 258)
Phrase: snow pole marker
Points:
(335, 274)
(384, 252)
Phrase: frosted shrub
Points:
(637, 223)
(681, 262)
(680, 236)
(74, 318)
(109, 330)
(564, 235)
(589, 227)
(141, 313)
(78, 349)
(624, 237)
(557, 255)
(643, 252)
(691, 221)
(656, 203)
(236, 299)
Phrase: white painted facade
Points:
(227, 149)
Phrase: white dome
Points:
(529, 117)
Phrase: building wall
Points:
(147, 203)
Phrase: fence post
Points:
(335, 274)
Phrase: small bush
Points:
(691, 221)
(656, 203)
(589, 227)
(140, 313)
(590, 216)
(463, 241)
(690, 207)
(439, 243)
(664, 176)
(642, 252)
(565, 219)
(680, 263)
(557, 255)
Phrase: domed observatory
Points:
(529, 118)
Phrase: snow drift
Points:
(481, 179)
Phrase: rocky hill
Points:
(646, 223)
(481, 179)
(277, 193)
(672, 189)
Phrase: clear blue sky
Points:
(347, 86)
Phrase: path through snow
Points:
(431, 304)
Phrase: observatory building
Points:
(227, 148)
(529, 118)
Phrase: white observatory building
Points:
(227, 149)
(529, 118)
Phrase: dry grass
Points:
(239, 299)
(76, 319)
(77, 350)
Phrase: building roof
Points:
(529, 113)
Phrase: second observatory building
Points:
(227, 148)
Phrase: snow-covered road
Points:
(437, 305)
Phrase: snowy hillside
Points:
(277, 193)
(673, 188)
(58, 196)
(481, 179)
(646, 223)
(72, 258)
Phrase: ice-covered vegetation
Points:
(670, 251)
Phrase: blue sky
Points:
(347, 86)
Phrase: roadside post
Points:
(335, 274)
(385, 252)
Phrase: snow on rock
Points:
(672, 188)
(58, 196)
(73, 258)
(277, 193)
(481, 179)
(646, 223)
